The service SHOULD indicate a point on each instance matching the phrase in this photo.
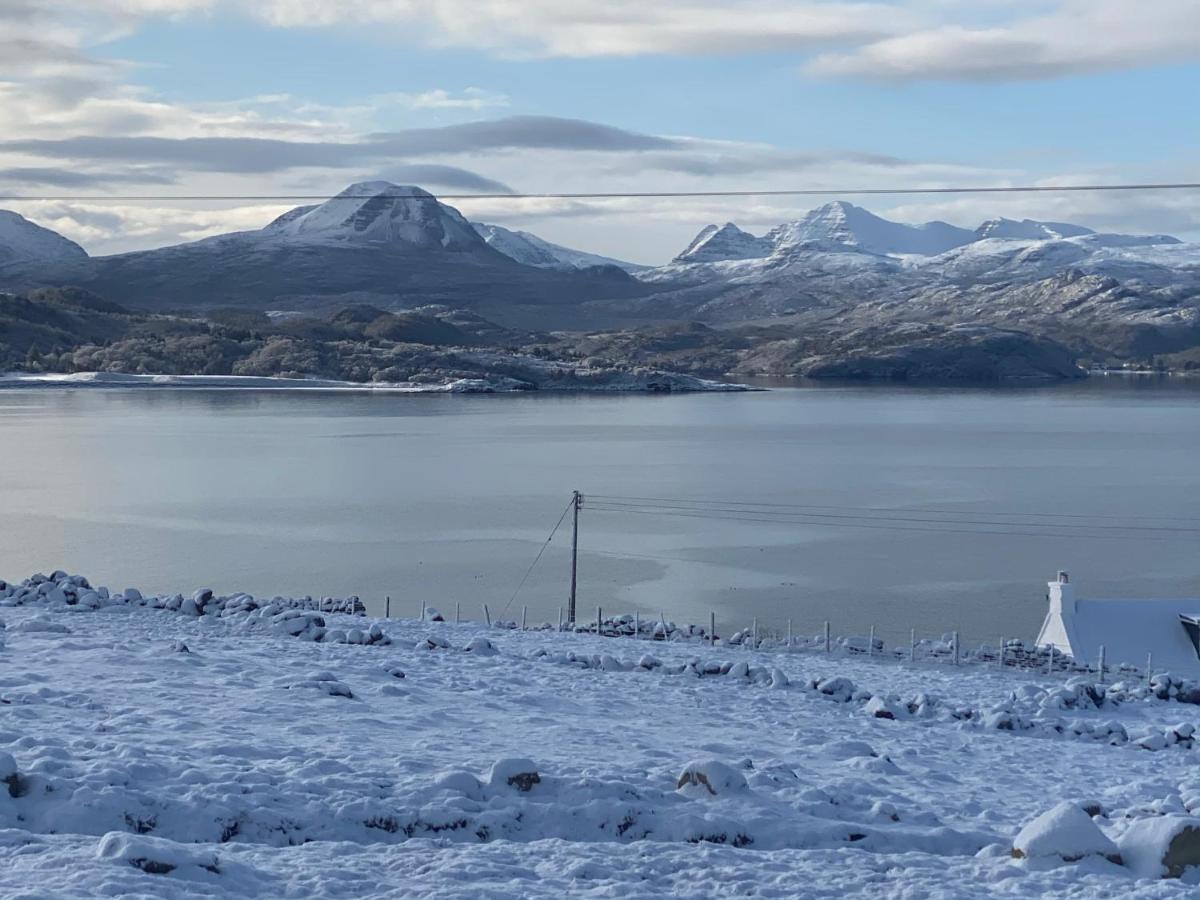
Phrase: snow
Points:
(262, 763)
(21, 239)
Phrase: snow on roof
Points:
(1127, 629)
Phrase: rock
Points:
(879, 708)
(480, 646)
(155, 856)
(1065, 832)
(514, 772)
(839, 688)
(739, 670)
(1162, 846)
(713, 776)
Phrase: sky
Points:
(101, 100)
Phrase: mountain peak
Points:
(23, 240)
(379, 212)
(718, 242)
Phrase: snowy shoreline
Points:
(498, 385)
(536, 763)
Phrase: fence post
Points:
(524, 612)
(789, 634)
(487, 615)
(457, 612)
(422, 610)
(871, 642)
(599, 618)
(1149, 666)
(912, 645)
(754, 633)
(827, 636)
(1001, 653)
(387, 608)
(637, 625)
(663, 617)
(712, 629)
(560, 618)
(956, 648)
(1101, 664)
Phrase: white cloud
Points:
(1059, 38)
(613, 28)
(471, 98)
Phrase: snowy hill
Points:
(531, 250)
(21, 239)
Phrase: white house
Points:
(1128, 630)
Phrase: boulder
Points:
(1065, 832)
(1162, 846)
(514, 772)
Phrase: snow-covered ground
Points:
(227, 746)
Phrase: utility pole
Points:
(576, 502)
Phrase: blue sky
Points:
(752, 94)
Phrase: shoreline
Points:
(500, 385)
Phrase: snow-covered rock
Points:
(514, 772)
(155, 856)
(1162, 846)
(712, 777)
(1065, 832)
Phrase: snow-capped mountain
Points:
(845, 224)
(378, 212)
(719, 242)
(21, 239)
(393, 246)
(530, 250)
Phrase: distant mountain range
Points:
(837, 271)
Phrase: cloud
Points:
(258, 155)
(429, 174)
(75, 178)
(1065, 38)
(584, 28)
(471, 98)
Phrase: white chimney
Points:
(1062, 595)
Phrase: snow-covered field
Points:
(228, 746)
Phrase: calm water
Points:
(448, 498)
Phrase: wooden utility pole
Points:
(576, 502)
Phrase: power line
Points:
(627, 195)
(537, 558)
